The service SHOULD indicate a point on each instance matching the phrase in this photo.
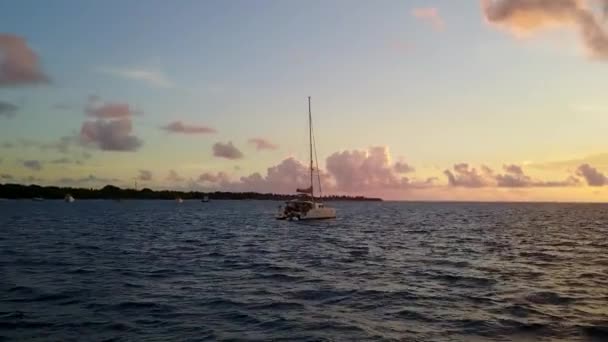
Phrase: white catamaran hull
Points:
(312, 214)
(318, 214)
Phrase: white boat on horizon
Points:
(309, 207)
(179, 200)
(68, 198)
(205, 199)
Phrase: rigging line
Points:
(314, 144)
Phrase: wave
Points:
(548, 297)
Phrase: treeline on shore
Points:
(19, 191)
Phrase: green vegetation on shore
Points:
(18, 191)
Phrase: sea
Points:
(100, 270)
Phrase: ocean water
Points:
(226, 270)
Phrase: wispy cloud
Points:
(35, 165)
(263, 144)
(145, 175)
(180, 127)
(431, 15)
(90, 179)
(173, 176)
(154, 78)
(61, 161)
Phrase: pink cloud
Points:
(361, 172)
(114, 135)
(402, 167)
(263, 144)
(218, 178)
(180, 127)
(227, 150)
(110, 111)
(431, 15)
(366, 170)
(283, 178)
(467, 177)
(523, 17)
(513, 177)
(18, 63)
(592, 176)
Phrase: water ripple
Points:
(225, 270)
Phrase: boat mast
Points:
(310, 145)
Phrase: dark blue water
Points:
(226, 270)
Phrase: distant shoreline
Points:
(110, 192)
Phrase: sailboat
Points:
(68, 198)
(308, 207)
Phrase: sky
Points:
(484, 100)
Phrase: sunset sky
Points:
(411, 100)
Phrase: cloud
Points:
(174, 177)
(467, 177)
(154, 78)
(90, 179)
(18, 63)
(61, 161)
(35, 165)
(591, 175)
(524, 17)
(8, 110)
(366, 170)
(62, 145)
(218, 178)
(402, 167)
(285, 177)
(362, 172)
(228, 151)
(110, 111)
(180, 127)
(145, 175)
(263, 144)
(114, 135)
(513, 177)
(431, 15)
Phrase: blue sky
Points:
(468, 91)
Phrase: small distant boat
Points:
(68, 198)
(38, 199)
(205, 199)
(308, 207)
(179, 200)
